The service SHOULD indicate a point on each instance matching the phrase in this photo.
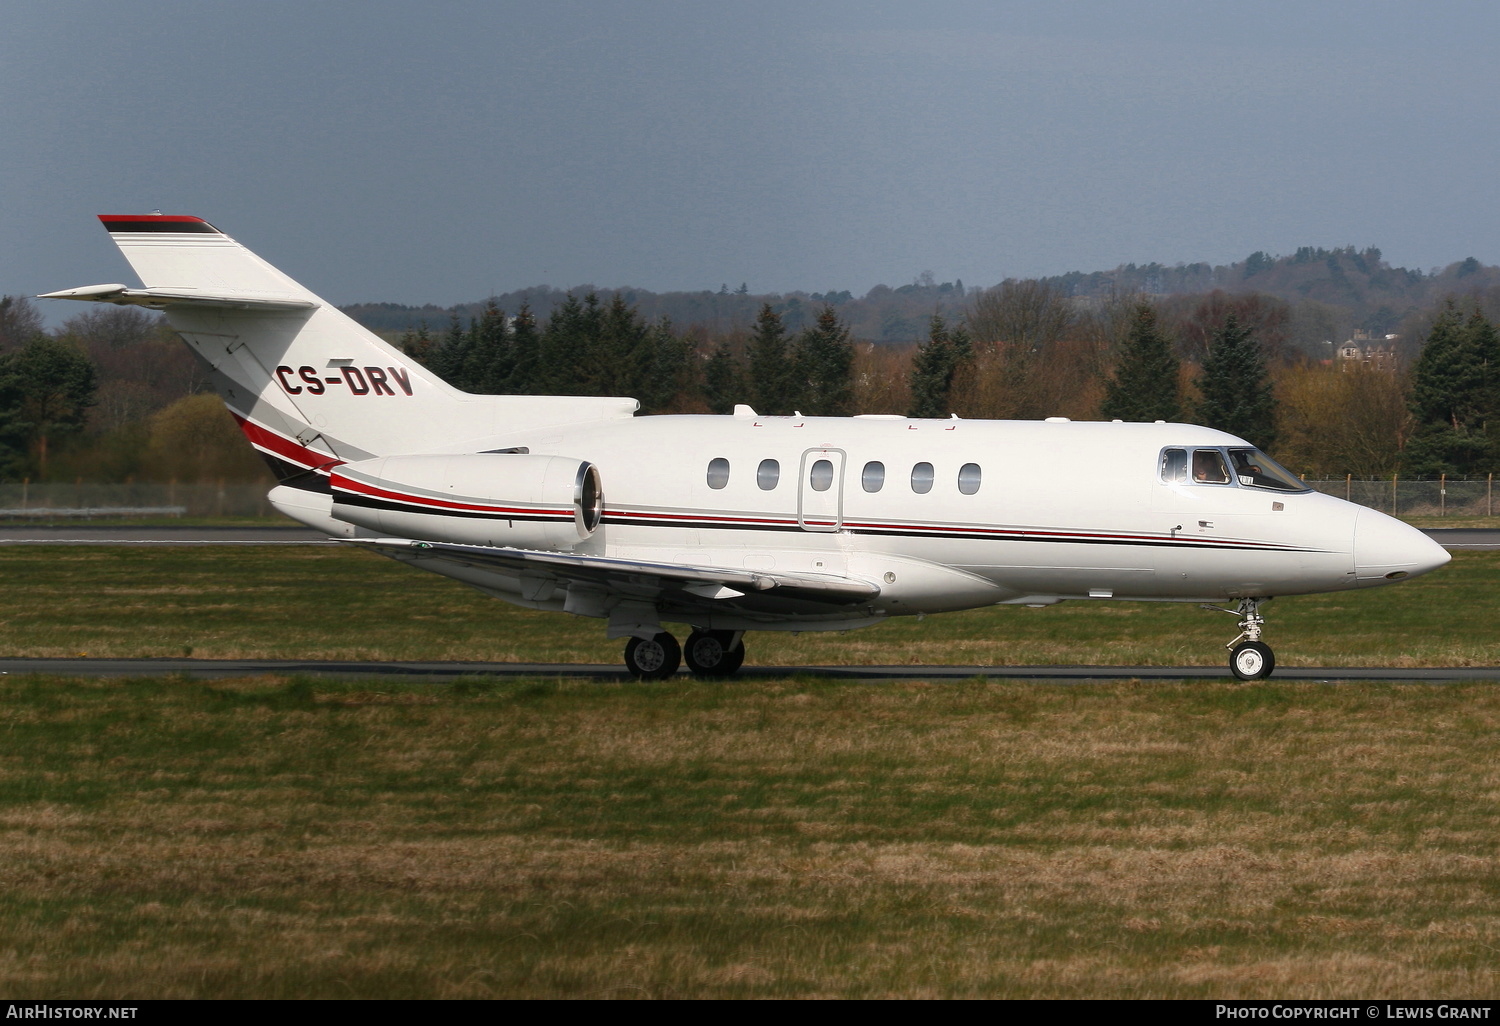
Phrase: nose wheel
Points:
(1252, 660)
(1249, 657)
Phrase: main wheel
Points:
(710, 654)
(654, 658)
(1253, 660)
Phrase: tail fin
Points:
(310, 387)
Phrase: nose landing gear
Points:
(1249, 657)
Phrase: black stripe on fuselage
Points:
(373, 502)
(900, 532)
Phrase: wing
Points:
(677, 585)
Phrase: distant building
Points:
(1370, 350)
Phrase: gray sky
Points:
(439, 152)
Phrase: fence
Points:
(1442, 496)
(1418, 497)
(31, 500)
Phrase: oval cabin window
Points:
(821, 476)
(767, 474)
(968, 478)
(873, 477)
(921, 478)
(718, 472)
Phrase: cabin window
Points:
(718, 472)
(968, 478)
(767, 474)
(821, 476)
(873, 477)
(1254, 468)
(921, 478)
(1209, 468)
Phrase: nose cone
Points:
(1387, 550)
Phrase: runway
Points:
(110, 534)
(438, 672)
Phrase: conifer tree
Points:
(567, 343)
(620, 354)
(773, 383)
(1455, 397)
(722, 384)
(933, 368)
(449, 358)
(488, 364)
(419, 345)
(1235, 387)
(46, 389)
(666, 362)
(525, 347)
(1144, 386)
(824, 367)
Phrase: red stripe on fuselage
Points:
(276, 445)
(339, 481)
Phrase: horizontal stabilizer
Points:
(161, 298)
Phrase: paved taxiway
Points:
(109, 534)
(447, 671)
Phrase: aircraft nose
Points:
(1385, 550)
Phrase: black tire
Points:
(1252, 660)
(708, 654)
(654, 659)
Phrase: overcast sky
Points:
(440, 152)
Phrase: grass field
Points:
(337, 603)
(793, 838)
(284, 838)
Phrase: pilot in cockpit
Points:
(1208, 467)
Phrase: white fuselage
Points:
(1056, 511)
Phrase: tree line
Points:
(112, 395)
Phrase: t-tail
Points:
(310, 387)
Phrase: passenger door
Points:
(820, 490)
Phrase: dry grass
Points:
(545, 839)
(318, 603)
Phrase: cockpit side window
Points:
(1174, 466)
(1209, 468)
(1257, 470)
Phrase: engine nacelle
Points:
(509, 499)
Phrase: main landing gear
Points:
(1249, 657)
(708, 653)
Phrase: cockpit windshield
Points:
(1254, 468)
(1251, 468)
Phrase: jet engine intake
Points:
(502, 499)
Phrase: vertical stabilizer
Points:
(310, 387)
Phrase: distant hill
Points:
(1331, 293)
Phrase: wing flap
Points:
(633, 575)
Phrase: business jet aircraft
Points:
(736, 523)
